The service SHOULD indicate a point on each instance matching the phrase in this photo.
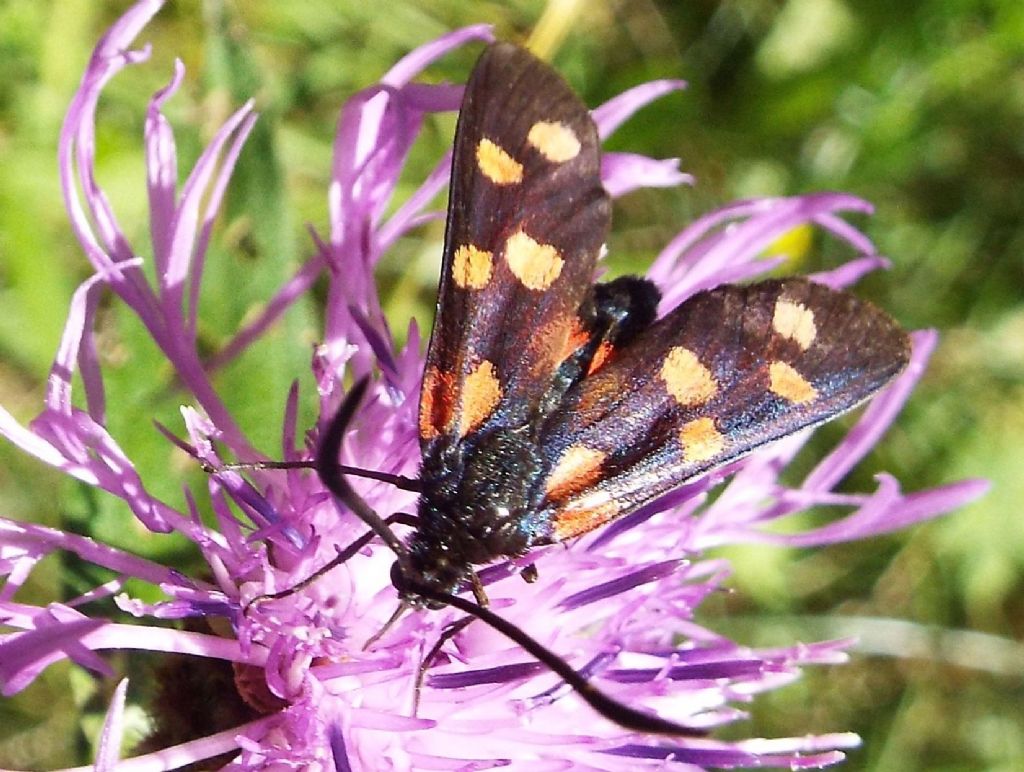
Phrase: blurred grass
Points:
(918, 107)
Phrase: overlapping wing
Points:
(727, 371)
(527, 217)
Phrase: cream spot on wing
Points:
(701, 440)
(577, 469)
(555, 141)
(686, 379)
(585, 514)
(471, 267)
(795, 321)
(789, 384)
(481, 393)
(536, 265)
(496, 164)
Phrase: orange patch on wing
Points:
(471, 267)
(555, 141)
(496, 164)
(437, 403)
(786, 382)
(584, 515)
(536, 265)
(577, 469)
(795, 321)
(701, 440)
(481, 393)
(577, 336)
(686, 379)
(601, 393)
(602, 355)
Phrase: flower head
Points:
(618, 604)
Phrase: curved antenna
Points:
(403, 579)
(614, 711)
(332, 476)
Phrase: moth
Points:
(552, 404)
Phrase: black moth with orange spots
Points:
(550, 404)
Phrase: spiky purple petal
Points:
(618, 604)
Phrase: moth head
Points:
(420, 590)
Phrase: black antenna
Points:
(404, 580)
(613, 710)
(330, 473)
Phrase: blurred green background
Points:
(916, 106)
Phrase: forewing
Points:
(727, 371)
(526, 220)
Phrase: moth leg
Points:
(446, 635)
(242, 466)
(344, 555)
(530, 573)
(395, 616)
(399, 481)
(478, 589)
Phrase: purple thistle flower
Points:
(618, 604)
